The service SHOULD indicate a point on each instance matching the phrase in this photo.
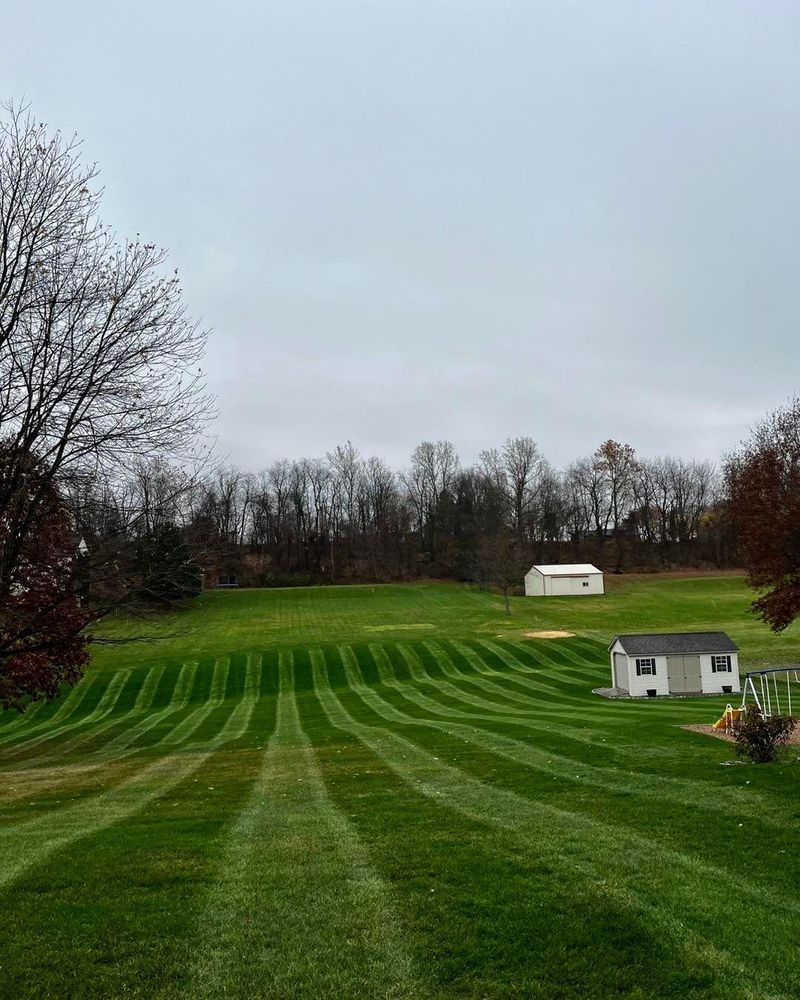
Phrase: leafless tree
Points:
(428, 479)
(99, 362)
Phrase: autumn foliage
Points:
(763, 483)
(760, 738)
(42, 639)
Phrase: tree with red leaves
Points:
(43, 643)
(763, 486)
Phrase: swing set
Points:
(771, 691)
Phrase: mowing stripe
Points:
(68, 708)
(537, 681)
(555, 702)
(308, 916)
(574, 676)
(540, 682)
(472, 705)
(239, 719)
(561, 675)
(599, 842)
(26, 844)
(240, 715)
(102, 709)
(563, 839)
(69, 705)
(510, 699)
(22, 719)
(146, 693)
(694, 794)
(180, 697)
(438, 701)
(195, 719)
(498, 688)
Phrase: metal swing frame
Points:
(768, 697)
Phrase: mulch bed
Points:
(794, 739)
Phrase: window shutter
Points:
(713, 664)
(653, 666)
(638, 668)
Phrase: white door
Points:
(621, 671)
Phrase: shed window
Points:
(720, 664)
(646, 666)
(586, 583)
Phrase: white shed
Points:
(563, 581)
(675, 663)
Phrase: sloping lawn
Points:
(392, 792)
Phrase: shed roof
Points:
(576, 569)
(664, 643)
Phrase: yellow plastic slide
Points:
(729, 719)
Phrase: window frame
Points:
(725, 668)
(645, 666)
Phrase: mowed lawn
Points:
(393, 792)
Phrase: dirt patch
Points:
(550, 634)
(392, 628)
(708, 730)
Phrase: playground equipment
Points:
(729, 722)
(773, 691)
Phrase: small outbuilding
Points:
(563, 581)
(675, 663)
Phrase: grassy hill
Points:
(393, 792)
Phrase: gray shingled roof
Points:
(662, 643)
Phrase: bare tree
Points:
(429, 478)
(99, 363)
(618, 466)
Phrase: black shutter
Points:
(653, 666)
(638, 668)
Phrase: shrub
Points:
(759, 738)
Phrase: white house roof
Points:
(575, 569)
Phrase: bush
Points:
(759, 738)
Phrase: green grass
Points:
(392, 792)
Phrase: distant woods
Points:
(348, 517)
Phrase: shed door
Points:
(675, 674)
(621, 671)
(691, 670)
(683, 673)
(561, 585)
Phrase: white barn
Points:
(563, 581)
(675, 663)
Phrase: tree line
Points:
(346, 517)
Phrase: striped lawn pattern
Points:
(408, 818)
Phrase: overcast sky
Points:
(410, 219)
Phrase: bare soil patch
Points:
(392, 628)
(550, 634)
(794, 739)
